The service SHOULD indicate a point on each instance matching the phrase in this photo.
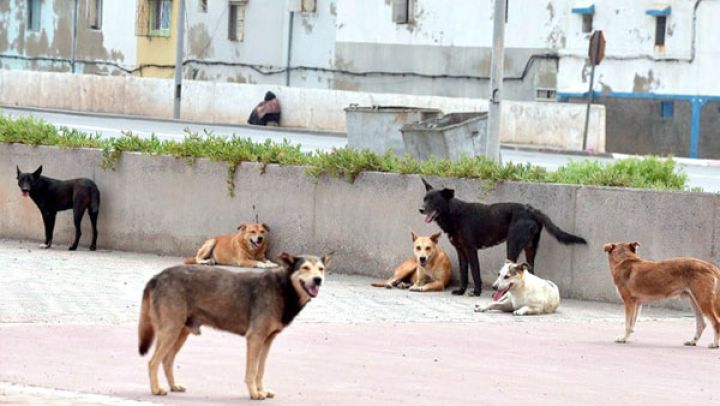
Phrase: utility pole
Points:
(496, 81)
(74, 37)
(179, 54)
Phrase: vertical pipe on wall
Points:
(179, 53)
(73, 51)
(289, 49)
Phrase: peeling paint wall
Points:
(50, 48)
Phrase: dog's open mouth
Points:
(311, 289)
(499, 294)
(255, 244)
(431, 216)
(25, 193)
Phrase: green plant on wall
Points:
(647, 173)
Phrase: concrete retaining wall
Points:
(160, 204)
(554, 125)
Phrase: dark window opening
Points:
(587, 22)
(33, 15)
(660, 23)
(666, 110)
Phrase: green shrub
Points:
(650, 173)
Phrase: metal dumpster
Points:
(377, 128)
(448, 137)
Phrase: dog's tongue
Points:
(498, 294)
(313, 290)
(428, 218)
(25, 194)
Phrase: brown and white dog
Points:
(428, 271)
(639, 281)
(246, 248)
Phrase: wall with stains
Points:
(105, 51)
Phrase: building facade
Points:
(655, 79)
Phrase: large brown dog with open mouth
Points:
(640, 281)
(429, 271)
(246, 248)
(179, 300)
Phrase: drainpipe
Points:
(179, 53)
(496, 82)
(289, 48)
(73, 51)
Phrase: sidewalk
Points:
(68, 335)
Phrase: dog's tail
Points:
(560, 235)
(146, 333)
(95, 201)
(380, 284)
(190, 261)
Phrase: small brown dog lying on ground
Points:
(429, 271)
(639, 281)
(246, 249)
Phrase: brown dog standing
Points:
(639, 281)
(429, 271)
(246, 248)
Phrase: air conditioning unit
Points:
(545, 94)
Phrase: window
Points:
(202, 6)
(403, 11)
(153, 17)
(309, 6)
(94, 13)
(587, 20)
(33, 15)
(660, 23)
(666, 110)
(236, 20)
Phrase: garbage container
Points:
(377, 128)
(448, 137)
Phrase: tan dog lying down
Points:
(246, 249)
(640, 281)
(428, 271)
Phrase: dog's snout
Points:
(495, 287)
(260, 238)
(423, 259)
(317, 281)
(421, 210)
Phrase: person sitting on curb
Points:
(267, 112)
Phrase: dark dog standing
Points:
(52, 195)
(472, 226)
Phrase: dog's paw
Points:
(258, 396)
(520, 312)
(159, 392)
(72, 248)
(621, 340)
(481, 308)
(44, 246)
(475, 293)
(177, 388)
(93, 248)
(691, 343)
(416, 288)
(268, 393)
(271, 264)
(459, 291)
(713, 346)
(264, 265)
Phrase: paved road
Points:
(68, 337)
(704, 176)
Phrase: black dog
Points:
(472, 226)
(52, 195)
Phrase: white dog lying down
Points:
(521, 292)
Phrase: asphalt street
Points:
(701, 173)
(68, 336)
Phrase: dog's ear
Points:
(633, 246)
(523, 267)
(428, 187)
(326, 259)
(18, 171)
(242, 227)
(37, 172)
(608, 247)
(265, 226)
(435, 237)
(288, 259)
(447, 193)
(413, 235)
